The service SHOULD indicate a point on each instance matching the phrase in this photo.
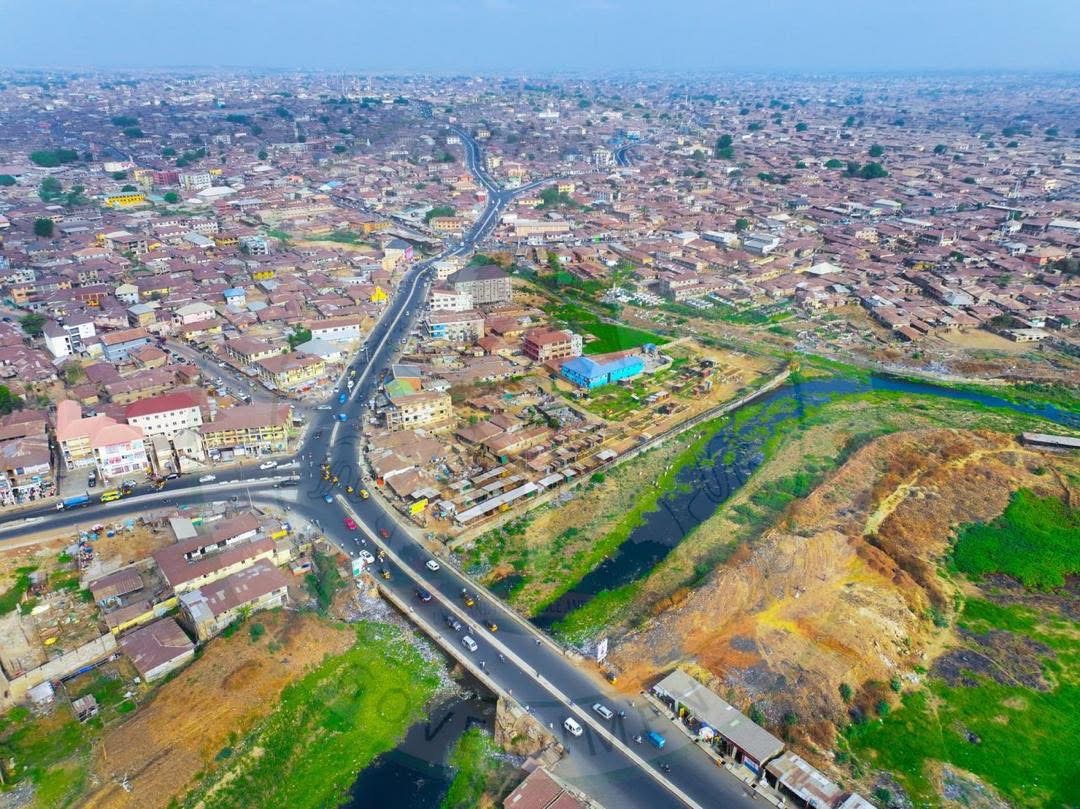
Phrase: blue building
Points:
(587, 373)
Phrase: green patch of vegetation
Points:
(10, 599)
(613, 337)
(52, 752)
(586, 621)
(1019, 740)
(327, 727)
(325, 581)
(1034, 540)
(473, 759)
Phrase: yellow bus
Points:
(110, 495)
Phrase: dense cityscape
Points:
(668, 441)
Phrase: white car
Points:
(572, 726)
(469, 643)
(603, 710)
(367, 558)
(432, 565)
(268, 465)
(207, 478)
(324, 407)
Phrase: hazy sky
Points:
(534, 36)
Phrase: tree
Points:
(128, 188)
(32, 324)
(119, 175)
(171, 197)
(741, 224)
(133, 132)
(50, 189)
(51, 158)
(7, 179)
(263, 154)
(969, 181)
(941, 148)
(724, 149)
(299, 336)
(833, 164)
(43, 227)
(124, 120)
(876, 150)
(9, 401)
(340, 148)
(873, 171)
(846, 692)
(801, 127)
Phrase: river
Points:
(727, 460)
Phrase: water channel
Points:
(728, 459)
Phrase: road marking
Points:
(496, 643)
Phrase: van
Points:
(469, 643)
(572, 727)
(603, 710)
(656, 740)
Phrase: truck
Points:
(73, 502)
(342, 397)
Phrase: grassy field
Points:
(1035, 541)
(478, 769)
(609, 336)
(1023, 741)
(327, 727)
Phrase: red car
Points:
(385, 533)
(350, 523)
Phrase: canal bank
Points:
(729, 458)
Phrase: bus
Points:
(110, 495)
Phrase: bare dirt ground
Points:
(213, 701)
(842, 588)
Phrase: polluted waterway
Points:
(416, 774)
(728, 459)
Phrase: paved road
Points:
(605, 761)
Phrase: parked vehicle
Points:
(656, 740)
(364, 494)
(324, 407)
(432, 565)
(572, 727)
(207, 478)
(602, 710)
(268, 465)
(73, 502)
(367, 558)
(469, 643)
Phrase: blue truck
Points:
(656, 739)
(342, 397)
(73, 502)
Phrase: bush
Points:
(256, 631)
(882, 708)
(846, 692)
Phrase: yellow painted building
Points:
(379, 295)
(124, 199)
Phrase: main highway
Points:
(606, 760)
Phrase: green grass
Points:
(612, 337)
(1028, 739)
(10, 598)
(327, 727)
(1034, 540)
(586, 621)
(53, 752)
(473, 759)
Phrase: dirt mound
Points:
(846, 588)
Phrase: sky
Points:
(522, 37)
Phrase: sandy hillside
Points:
(841, 590)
